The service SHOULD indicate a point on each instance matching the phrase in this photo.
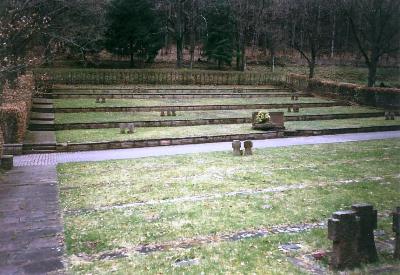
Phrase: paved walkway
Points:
(31, 231)
(56, 158)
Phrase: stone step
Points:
(43, 108)
(41, 125)
(42, 116)
(40, 100)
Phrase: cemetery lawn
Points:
(61, 118)
(315, 180)
(112, 134)
(91, 103)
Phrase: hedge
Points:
(372, 96)
(147, 76)
(14, 112)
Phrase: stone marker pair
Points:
(128, 128)
(295, 108)
(248, 148)
(352, 233)
(295, 97)
(100, 99)
(168, 113)
(390, 115)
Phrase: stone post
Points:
(343, 230)
(248, 148)
(131, 128)
(396, 230)
(7, 162)
(368, 219)
(236, 144)
(122, 127)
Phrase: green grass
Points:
(373, 167)
(97, 135)
(61, 118)
(91, 103)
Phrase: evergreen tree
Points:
(220, 41)
(133, 29)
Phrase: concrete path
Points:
(55, 158)
(31, 231)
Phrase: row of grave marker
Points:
(247, 145)
(352, 234)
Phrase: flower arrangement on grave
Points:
(262, 117)
(261, 121)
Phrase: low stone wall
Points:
(13, 149)
(91, 146)
(388, 98)
(189, 108)
(171, 96)
(302, 133)
(195, 122)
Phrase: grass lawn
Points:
(333, 176)
(61, 118)
(82, 103)
(96, 135)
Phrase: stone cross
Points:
(396, 230)
(122, 127)
(236, 144)
(343, 230)
(368, 219)
(131, 128)
(248, 148)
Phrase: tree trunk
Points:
(372, 74)
(131, 54)
(311, 67)
(179, 35)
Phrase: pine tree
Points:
(133, 29)
(220, 41)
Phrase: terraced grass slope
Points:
(191, 213)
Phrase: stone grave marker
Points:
(103, 100)
(296, 108)
(122, 128)
(248, 148)
(236, 144)
(289, 109)
(131, 128)
(97, 99)
(368, 219)
(396, 230)
(162, 113)
(173, 113)
(169, 113)
(343, 230)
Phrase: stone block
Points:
(277, 118)
(131, 128)
(343, 230)
(296, 108)
(97, 99)
(396, 230)
(236, 145)
(248, 148)
(122, 128)
(7, 162)
(368, 220)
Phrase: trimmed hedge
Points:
(372, 96)
(14, 112)
(148, 76)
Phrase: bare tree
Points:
(376, 28)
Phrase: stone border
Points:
(170, 96)
(196, 122)
(186, 108)
(90, 146)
